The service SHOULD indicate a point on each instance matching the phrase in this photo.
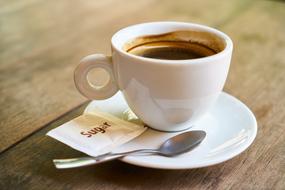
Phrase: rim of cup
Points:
(228, 42)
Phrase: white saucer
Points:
(230, 126)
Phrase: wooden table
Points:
(41, 42)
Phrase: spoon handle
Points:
(86, 161)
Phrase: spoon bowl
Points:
(181, 143)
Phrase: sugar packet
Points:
(96, 132)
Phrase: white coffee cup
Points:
(168, 95)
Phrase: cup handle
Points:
(85, 87)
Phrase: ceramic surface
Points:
(230, 126)
(166, 94)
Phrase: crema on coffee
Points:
(177, 45)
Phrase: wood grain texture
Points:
(37, 58)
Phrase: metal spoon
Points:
(176, 145)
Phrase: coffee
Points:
(177, 45)
(172, 50)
